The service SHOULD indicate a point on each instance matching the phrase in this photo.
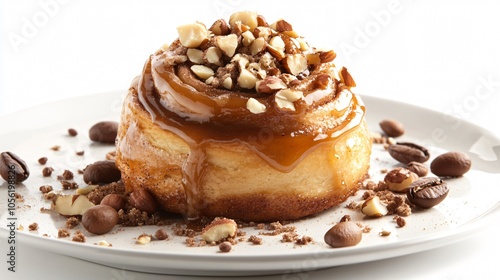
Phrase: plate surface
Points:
(469, 205)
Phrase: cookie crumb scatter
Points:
(45, 189)
(62, 232)
(304, 240)
(96, 195)
(72, 222)
(255, 240)
(42, 160)
(33, 227)
(49, 196)
(67, 185)
(79, 237)
(289, 237)
(67, 175)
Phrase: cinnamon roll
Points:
(243, 120)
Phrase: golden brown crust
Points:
(238, 183)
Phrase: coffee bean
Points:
(392, 128)
(418, 168)
(451, 164)
(101, 172)
(427, 192)
(406, 152)
(13, 168)
(104, 132)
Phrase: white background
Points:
(444, 56)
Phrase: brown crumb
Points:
(79, 237)
(33, 226)
(80, 171)
(96, 195)
(289, 237)
(45, 189)
(277, 228)
(42, 160)
(384, 233)
(72, 222)
(67, 175)
(62, 232)
(191, 242)
(304, 240)
(352, 205)
(47, 171)
(50, 196)
(111, 155)
(55, 148)
(72, 132)
(80, 153)
(345, 218)
(400, 221)
(255, 240)
(67, 185)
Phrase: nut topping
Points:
(270, 85)
(373, 207)
(246, 54)
(192, 35)
(255, 106)
(227, 44)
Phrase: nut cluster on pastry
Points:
(249, 55)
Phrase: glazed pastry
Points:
(243, 120)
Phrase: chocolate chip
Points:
(427, 192)
(12, 168)
(451, 164)
(418, 168)
(392, 128)
(343, 234)
(101, 172)
(104, 132)
(406, 152)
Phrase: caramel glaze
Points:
(200, 114)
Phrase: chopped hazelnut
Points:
(192, 35)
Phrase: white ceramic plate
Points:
(471, 201)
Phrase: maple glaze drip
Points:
(201, 118)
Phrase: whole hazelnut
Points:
(343, 234)
(114, 200)
(100, 219)
(142, 200)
